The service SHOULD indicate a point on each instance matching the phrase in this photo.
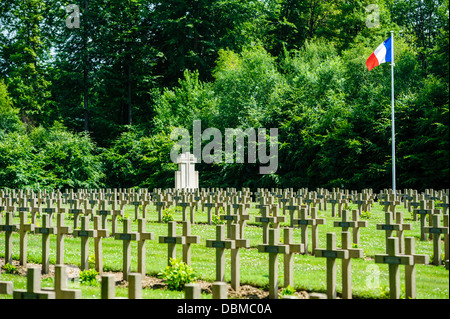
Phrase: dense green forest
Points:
(94, 105)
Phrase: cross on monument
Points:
(400, 235)
(274, 211)
(34, 209)
(186, 177)
(235, 256)
(75, 211)
(220, 244)
(61, 291)
(444, 205)
(61, 230)
(230, 218)
(358, 224)
(436, 230)
(23, 233)
(103, 212)
(446, 240)
(160, 204)
(210, 204)
(45, 230)
(265, 219)
(288, 239)
(389, 226)
(98, 238)
(85, 233)
(413, 203)
(315, 229)
(8, 228)
(49, 209)
(303, 221)
(184, 203)
(240, 209)
(33, 290)
(394, 260)
(126, 236)
(423, 212)
(335, 200)
(410, 270)
(115, 213)
(136, 203)
(361, 202)
(345, 223)
(292, 207)
(347, 264)
(389, 205)
(273, 248)
(331, 253)
(171, 240)
(189, 239)
(143, 236)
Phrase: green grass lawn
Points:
(370, 280)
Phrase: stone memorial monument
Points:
(186, 177)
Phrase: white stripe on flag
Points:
(380, 53)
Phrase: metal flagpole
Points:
(392, 112)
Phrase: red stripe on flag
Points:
(372, 62)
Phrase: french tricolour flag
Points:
(381, 54)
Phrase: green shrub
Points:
(10, 269)
(70, 158)
(177, 274)
(366, 214)
(384, 292)
(168, 215)
(91, 260)
(287, 291)
(48, 158)
(89, 277)
(216, 219)
(9, 116)
(137, 159)
(120, 218)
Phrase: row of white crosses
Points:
(114, 213)
(60, 290)
(393, 258)
(217, 198)
(84, 233)
(218, 202)
(80, 201)
(396, 254)
(60, 230)
(273, 248)
(34, 290)
(425, 210)
(212, 201)
(127, 236)
(127, 196)
(320, 198)
(286, 199)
